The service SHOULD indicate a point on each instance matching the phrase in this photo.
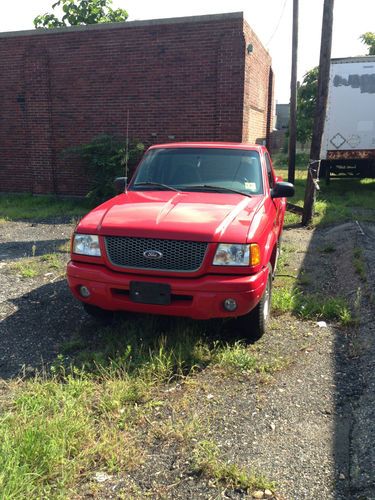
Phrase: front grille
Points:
(177, 255)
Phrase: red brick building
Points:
(192, 78)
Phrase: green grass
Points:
(237, 357)
(207, 462)
(328, 249)
(27, 206)
(83, 415)
(310, 306)
(165, 347)
(359, 264)
(37, 266)
(283, 298)
(344, 199)
(86, 413)
(180, 430)
(52, 260)
(26, 269)
(288, 294)
(326, 308)
(56, 431)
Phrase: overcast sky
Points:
(270, 19)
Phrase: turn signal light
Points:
(254, 254)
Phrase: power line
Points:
(278, 22)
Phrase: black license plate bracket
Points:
(150, 293)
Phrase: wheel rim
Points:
(266, 303)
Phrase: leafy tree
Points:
(306, 101)
(81, 12)
(369, 40)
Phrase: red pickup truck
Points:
(196, 233)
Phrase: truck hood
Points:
(196, 216)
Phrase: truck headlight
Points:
(86, 244)
(232, 254)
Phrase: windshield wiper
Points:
(216, 188)
(156, 184)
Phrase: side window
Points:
(271, 181)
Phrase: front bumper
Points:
(197, 298)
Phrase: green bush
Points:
(105, 158)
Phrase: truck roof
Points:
(222, 145)
(353, 59)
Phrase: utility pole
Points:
(320, 112)
(293, 98)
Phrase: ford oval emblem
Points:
(152, 254)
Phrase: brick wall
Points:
(258, 90)
(181, 79)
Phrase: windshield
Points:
(190, 169)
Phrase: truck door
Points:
(276, 201)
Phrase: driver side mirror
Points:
(282, 190)
(119, 184)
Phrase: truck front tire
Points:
(254, 324)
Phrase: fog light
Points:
(84, 291)
(230, 304)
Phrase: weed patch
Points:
(26, 269)
(207, 462)
(52, 260)
(55, 432)
(311, 306)
(328, 249)
(316, 307)
(37, 266)
(181, 430)
(336, 201)
(27, 206)
(283, 299)
(359, 264)
(165, 349)
(237, 357)
(86, 413)
(64, 247)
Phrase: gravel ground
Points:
(309, 427)
(362, 442)
(36, 314)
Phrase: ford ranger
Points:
(196, 234)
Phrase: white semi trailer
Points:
(348, 143)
